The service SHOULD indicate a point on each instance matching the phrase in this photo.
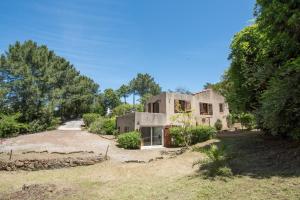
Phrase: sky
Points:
(181, 43)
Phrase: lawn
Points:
(263, 167)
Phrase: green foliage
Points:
(263, 77)
(130, 140)
(280, 111)
(122, 109)
(41, 86)
(10, 126)
(110, 99)
(144, 84)
(247, 120)
(89, 118)
(103, 126)
(176, 134)
(201, 133)
(218, 125)
(216, 161)
(124, 92)
(195, 134)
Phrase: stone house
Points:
(206, 106)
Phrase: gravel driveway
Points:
(70, 141)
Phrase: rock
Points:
(19, 163)
(31, 166)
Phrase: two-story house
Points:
(207, 107)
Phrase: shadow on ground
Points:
(260, 156)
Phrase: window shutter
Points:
(210, 110)
(176, 106)
(188, 106)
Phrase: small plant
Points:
(218, 125)
(216, 161)
(130, 140)
(89, 118)
(10, 126)
(247, 120)
(103, 126)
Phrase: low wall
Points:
(41, 164)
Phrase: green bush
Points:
(103, 126)
(195, 134)
(130, 140)
(9, 126)
(89, 118)
(176, 134)
(202, 133)
(45, 122)
(218, 125)
(247, 120)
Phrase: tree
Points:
(110, 99)
(181, 90)
(124, 91)
(263, 77)
(41, 85)
(144, 84)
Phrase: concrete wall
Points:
(127, 120)
(160, 99)
(139, 119)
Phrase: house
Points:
(207, 107)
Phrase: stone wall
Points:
(41, 164)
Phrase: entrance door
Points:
(152, 136)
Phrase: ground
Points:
(264, 168)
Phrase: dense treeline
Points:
(264, 75)
(41, 86)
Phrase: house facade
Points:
(206, 107)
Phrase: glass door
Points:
(156, 136)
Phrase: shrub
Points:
(9, 125)
(195, 134)
(247, 120)
(89, 118)
(176, 134)
(202, 133)
(45, 122)
(216, 162)
(130, 140)
(218, 125)
(103, 126)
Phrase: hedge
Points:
(130, 140)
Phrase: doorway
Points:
(152, 136)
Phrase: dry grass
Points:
(258, 174)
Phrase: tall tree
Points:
(110, 99)
(144, 84)
(124, 91)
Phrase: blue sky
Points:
(181, 43)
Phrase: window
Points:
(156, 107)
(182, 106)
(206, 109)
(126, 129)
(221, 107)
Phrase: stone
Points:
(19, 163)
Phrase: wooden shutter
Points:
(188, 106)
(176, 106)
(210, 110)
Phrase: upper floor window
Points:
(181, 106)
(156, 107)
(206, 109)
(221, 107)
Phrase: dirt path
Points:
(74, 125)
(70, 141)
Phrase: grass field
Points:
(263, 167)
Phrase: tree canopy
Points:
(263, 77)
(39, 84)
